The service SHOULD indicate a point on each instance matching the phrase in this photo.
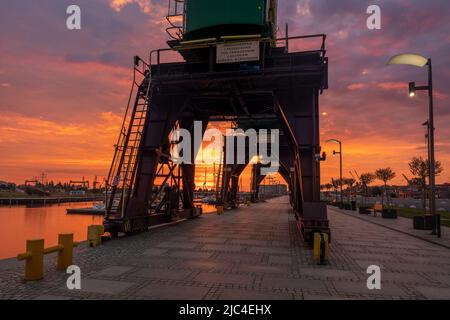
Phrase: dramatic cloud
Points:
(145, 5)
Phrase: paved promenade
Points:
(251, 253)
(403, 225)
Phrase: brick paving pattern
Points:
(401, 224)
(251, 253)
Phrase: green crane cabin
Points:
(197, 20)
(217, 18)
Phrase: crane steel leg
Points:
(298, 111)
(164, 112)
(188, 170)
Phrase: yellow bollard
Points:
(198, 211)
(65, 254)
(34, 260)
(34, 256)
(95, 235)
(220, 210)
(321, 242)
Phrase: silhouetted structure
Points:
(277, 89)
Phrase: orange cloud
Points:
(145, 5)
(357, 86)
(366, 154)
(68, 150)
(403, 86)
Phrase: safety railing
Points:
(287, 41)
(141, 70)
(156, 55)
(35, 251)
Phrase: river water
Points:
(21, 223)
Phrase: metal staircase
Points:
(122, 173)
(166, 196)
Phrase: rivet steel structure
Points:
(228, 65)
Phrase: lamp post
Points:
(340, 164)
(420, 61)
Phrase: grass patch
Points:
(410, 213)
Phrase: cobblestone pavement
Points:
(251, 253)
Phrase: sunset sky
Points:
(63, 93)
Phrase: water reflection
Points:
(20, 223)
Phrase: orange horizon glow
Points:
(65, 164)
(63, 94)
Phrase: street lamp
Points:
(340, 163)
(420, 61)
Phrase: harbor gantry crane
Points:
(35, 181)
(83, 183)
(95, 183)
(230, 65)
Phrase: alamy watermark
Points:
(374, 280)
(374, 20)
(73, 21)
(74, 280)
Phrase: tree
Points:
(420, 169)
(336, 184)
(349, 182)
(326, 187)
(365, 180)
(385, 175)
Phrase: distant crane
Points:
(43, 177)
(84, 183)
(358, 181)
(35, 181)
(407, 180)
(35, 189)
(95, 183)
(415, 182)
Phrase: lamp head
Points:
(334, 141)
(409, 59)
